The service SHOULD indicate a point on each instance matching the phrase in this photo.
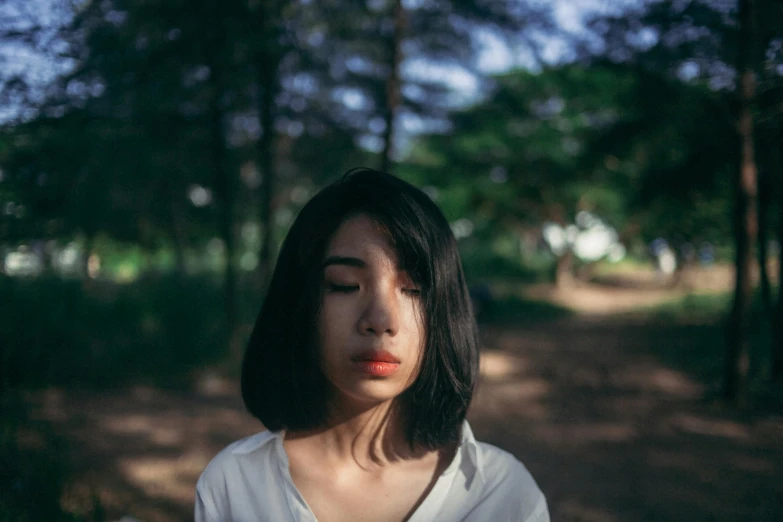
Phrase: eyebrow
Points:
(345, 261)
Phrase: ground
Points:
(610, 429)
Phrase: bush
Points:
(95, 333)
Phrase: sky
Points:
(34, 67)
(570, 16)
(497, 57)
(38, 69)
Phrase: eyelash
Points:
(346, 289)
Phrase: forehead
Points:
(362, 237)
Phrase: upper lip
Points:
(375, 355)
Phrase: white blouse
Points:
(249, 481)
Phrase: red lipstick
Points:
(377, 363)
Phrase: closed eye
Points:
(345, 289)
(412, 291)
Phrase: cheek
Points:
(325, 334)
(331, 329)
(417, 336)
(415, 322)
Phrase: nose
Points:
(381, 314)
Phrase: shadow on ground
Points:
(609, 431)
(613, 434)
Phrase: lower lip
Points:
(377, 368)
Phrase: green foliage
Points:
(708, 313)
(518, 311)
(693, 307)
(485, 264)
(520, 151)
(100, 333)
(624, 143)
(684, 137)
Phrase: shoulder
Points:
(229, 465)
(511, 484)
(224, 486)
(500, 466)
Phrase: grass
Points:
(514, 309)
(698, 323)
(708, 307)
(484, 265)
(99, 333)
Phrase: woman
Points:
(362, 365)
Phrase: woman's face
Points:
(370, 327)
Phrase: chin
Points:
(373, 392)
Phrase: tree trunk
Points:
(393, 86)
(147, 247)
(267, 89)
(564, 270)
(89, 240)
(224, 187)
(178, 235)
(745, 219)
(763, 240)
(777, 333)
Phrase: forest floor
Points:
(601, 405)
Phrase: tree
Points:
(746, 216)
(393, 90)
(769, 129)
(383, 61)
(517, 160)
(726, 45)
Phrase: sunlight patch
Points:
(496, 365)
(172, 478)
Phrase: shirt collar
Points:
(255, 442)
(469, 453)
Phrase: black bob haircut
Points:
(282, 383)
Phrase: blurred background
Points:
(611, 169)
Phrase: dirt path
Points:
(610, 433)
(619, 292)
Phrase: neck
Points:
(372, 436)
